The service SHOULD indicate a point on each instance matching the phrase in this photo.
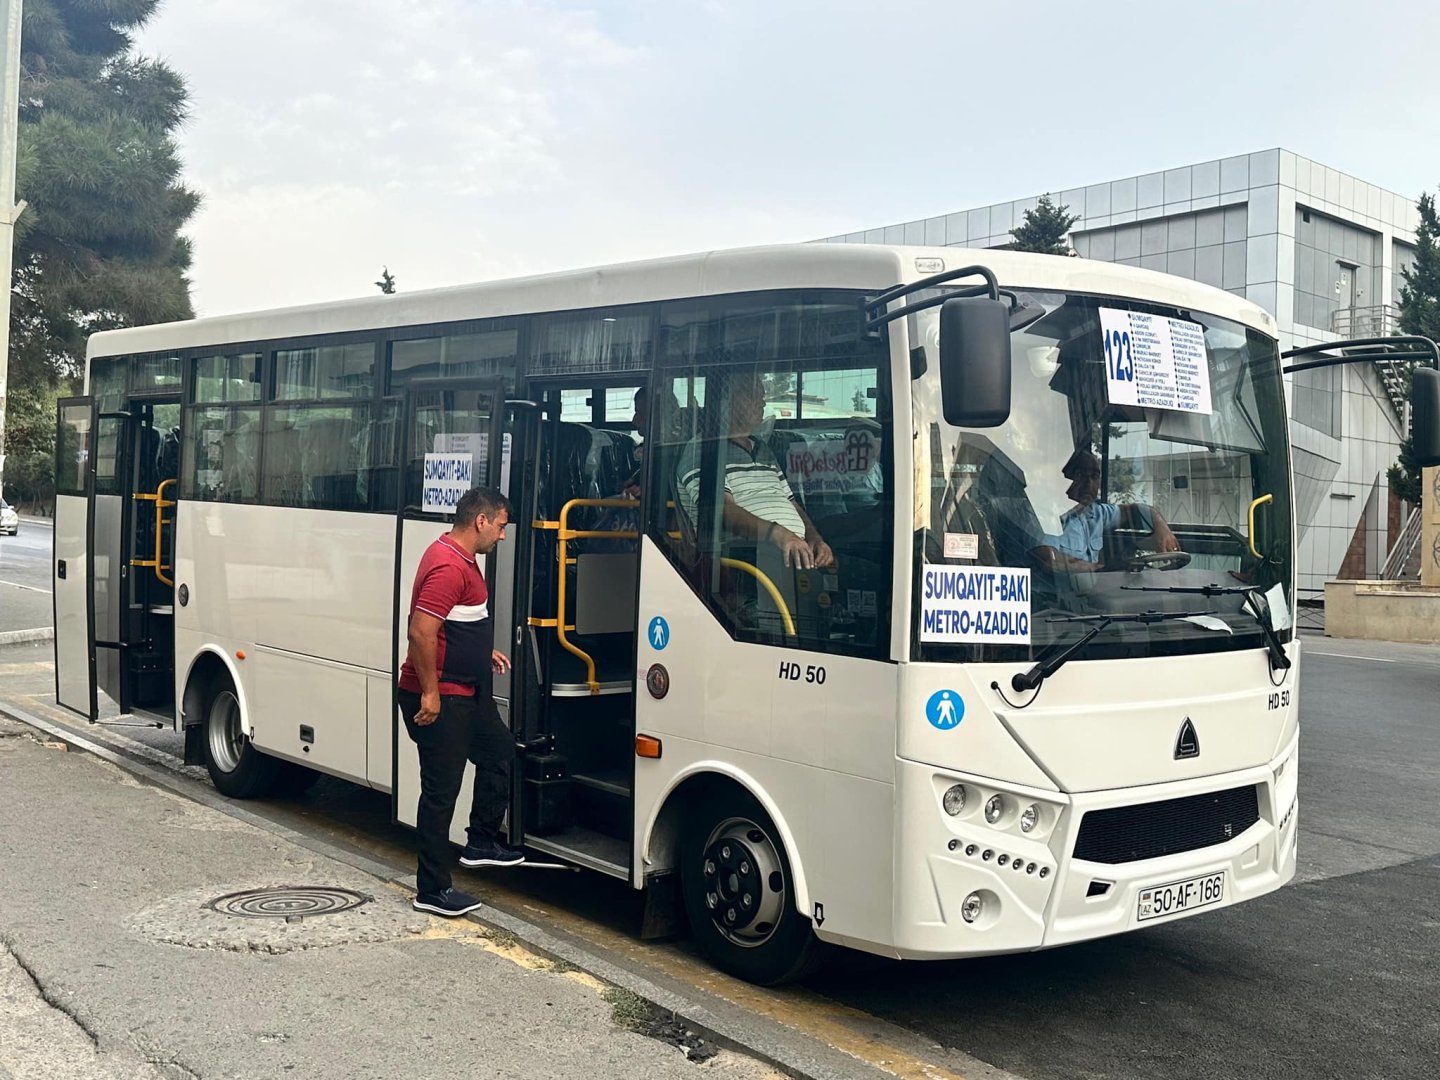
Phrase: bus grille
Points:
(1148, 831)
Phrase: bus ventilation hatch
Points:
(1131, 833)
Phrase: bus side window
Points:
(747, 482)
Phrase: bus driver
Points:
(1083, 527)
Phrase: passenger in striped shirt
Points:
(759, 502)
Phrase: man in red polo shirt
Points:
(447, 702)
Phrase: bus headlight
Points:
(994, 809)
(1029, 818)
(972, 907)
(954, 800)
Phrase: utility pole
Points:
(9, 137)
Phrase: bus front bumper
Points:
(970, 887)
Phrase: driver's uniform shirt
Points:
(1083, 530)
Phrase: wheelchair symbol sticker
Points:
(945, 709)
(659, 633)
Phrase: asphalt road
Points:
(1331, 977)
(25, 601)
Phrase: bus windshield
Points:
(1104, 508)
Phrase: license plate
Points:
(1197, 892)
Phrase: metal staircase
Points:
(1377, 321)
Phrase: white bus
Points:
(1041, 689)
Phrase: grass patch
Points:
(628, 1010)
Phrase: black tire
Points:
(730, 849)
(236, 768)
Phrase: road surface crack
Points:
(48, 995)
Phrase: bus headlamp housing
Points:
(995, 809)
(954, 800)
(1029, 818)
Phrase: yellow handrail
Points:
(564, 534)
(161, 504)
(1255, 505)
(769, 586)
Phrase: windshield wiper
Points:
(1260, 610)
(1048, 665)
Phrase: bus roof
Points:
(714, 273)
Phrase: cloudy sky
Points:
(459, 140)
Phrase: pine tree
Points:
(386, 284)
(1419, 315)
(99, 246)
(1044, 229)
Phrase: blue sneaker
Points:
(490, 853)
(451, 903)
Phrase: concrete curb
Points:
(756, 1036)
(15, 637)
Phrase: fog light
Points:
(973, 907)
(1030, 818)
(994, 809)
(954, 800)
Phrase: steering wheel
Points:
(1158, 560)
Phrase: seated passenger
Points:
(1083, 527)
(759, 502)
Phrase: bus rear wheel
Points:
(236, 768)
(739, 893)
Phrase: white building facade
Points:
(1318, 248)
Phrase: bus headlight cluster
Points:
(995, 809)
(954, 800)
(1029, 818)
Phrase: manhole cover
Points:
(288, 902)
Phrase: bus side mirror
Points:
(975, 361)
(1425, 416)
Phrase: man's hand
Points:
(499, 662)
(429, 710)
(1164, 538)
(796, 551)
(820, 553)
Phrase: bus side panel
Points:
(309, 711)
(297, 582)
(819, 753)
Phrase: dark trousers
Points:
(467, 729)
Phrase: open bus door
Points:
(73, 570)
(575, 591)
(116, 474)
(450, 428)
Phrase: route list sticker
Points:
(986, 605)
(1155, 362)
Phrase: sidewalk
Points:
(113, 964)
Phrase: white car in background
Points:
(9, 519)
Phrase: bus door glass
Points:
(73, 566)
(450, 442)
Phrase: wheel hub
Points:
(744, 887)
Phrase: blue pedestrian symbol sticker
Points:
(945, 709)
(659, 633)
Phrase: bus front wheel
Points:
(739, 893)
(236, 768)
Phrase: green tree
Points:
(99, 246)
(386, 284)
(1419, 315)
(1044, 229)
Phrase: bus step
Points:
(613, 782)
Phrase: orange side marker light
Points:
(647, 746)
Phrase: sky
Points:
(463, 140)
